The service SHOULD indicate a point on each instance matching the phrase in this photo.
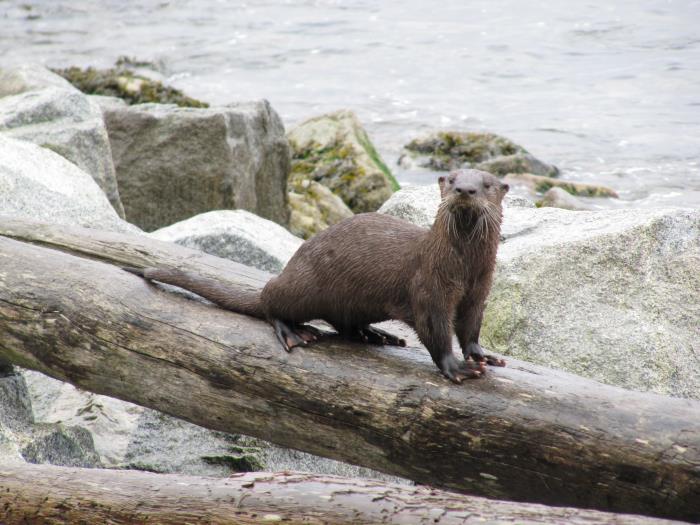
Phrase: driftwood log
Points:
(48, 495)
(523, 433)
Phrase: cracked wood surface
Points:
(49, 495)
(523, 433)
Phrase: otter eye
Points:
(451, 180)
(487, 185)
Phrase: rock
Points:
(173, 163)
(334, 149)
(313, 208)
(199, 451)
(38, 184)
(110, 421)
(237, 235)
(129, 436)
(41, 107)
(128, 85)
(541, 184)
(558, 198)
(16, 79)
(610, 295)
(418, 204)
(449, 150)
(60, 445)
(22, 440)
(15, 405)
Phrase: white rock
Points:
(40, 185)
(237, 235)
(41, 107)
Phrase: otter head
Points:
(471, 190)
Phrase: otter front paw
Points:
(457, 371)
(476, 352)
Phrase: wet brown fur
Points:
(374, 267)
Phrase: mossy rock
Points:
(125, 84)
(313, 207)
(541, 185)
(449, 150)
(334, 150)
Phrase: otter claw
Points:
(377, 336)
(475, 352)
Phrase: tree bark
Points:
(48, 495)
(523, 433)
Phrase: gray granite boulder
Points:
(610, 295)
(335, 150)
(38, 106)
(38, 184)
(173, 163)
(237, 235)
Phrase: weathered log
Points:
(523, 433)
(48, 495)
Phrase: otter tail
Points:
(241, 300)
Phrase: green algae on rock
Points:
(313, 208)
(334, 150)
(127, 85)
(541, 184)
(448, 150)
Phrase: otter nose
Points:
(466, 189)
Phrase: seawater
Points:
(608, 91)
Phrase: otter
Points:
(373, 267)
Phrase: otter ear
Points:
(505, 187)
(441, 183)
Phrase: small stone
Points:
(541, 184)
(559, 198)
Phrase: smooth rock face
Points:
(40, 185)
(450, 150)
(39, 106)
(237, 235)
(173, 163)
(335, 150)
(609, 295)
(313, 208)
